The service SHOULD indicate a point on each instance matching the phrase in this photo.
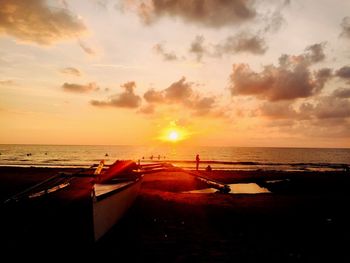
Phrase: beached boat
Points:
(113, 193)
(83, 206)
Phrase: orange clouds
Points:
(34, 21)
(126, 99)
(291, 79)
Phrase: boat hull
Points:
(111, 205)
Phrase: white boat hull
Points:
(110, 202)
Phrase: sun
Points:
(173, 136)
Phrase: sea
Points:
(223, 158)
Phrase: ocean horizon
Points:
(226, 157)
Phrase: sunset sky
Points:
(218, 72)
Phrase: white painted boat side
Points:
(107, 211)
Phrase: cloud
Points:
(198, 48)
(7, 82)
(242, 42)
(343, 72)
(34, 21)
(290, 80)
(210, 13)
(78, 88)
(148, 109)
(71, 71)
(153, 96)
(321, 108)
(203, 106)
(126, 99)
(167, 56)
(277, 110)
(332, 107)
(315, 53)
(342, 93)
(178, 91)
(239, 43)
(86, 48)
(181, 93)
(345, 26)
(274, 20)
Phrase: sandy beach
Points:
(304, 218)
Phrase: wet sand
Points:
(304, 219)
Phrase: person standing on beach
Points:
(197, 161)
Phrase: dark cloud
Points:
(34, 21)
(343, 72)
(126, 99)
(242, 42)
(181, 93)
(86, 48)
(345, 26)
(167, 56)
(325, 107)
(198, 48)
(71, 71)
(211, 13)
(332, 107)
(315, 52)
(78, 88)
(291, 79)
(342, 93)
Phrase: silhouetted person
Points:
(208, 169)
(158, 157)
(197, 161)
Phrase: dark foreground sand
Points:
(303, 220)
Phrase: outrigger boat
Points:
(113, 193)
(67, 207)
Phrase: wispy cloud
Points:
(71, 71)
(345, 27)
(78, 88)
(88, 50)
(116, 66)
(167, 55)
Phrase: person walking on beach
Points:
(197, 161)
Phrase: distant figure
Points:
(197, 161)
(45, 153)
(151, 157)
(106, 154)
(208, 169)
(158, 157)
